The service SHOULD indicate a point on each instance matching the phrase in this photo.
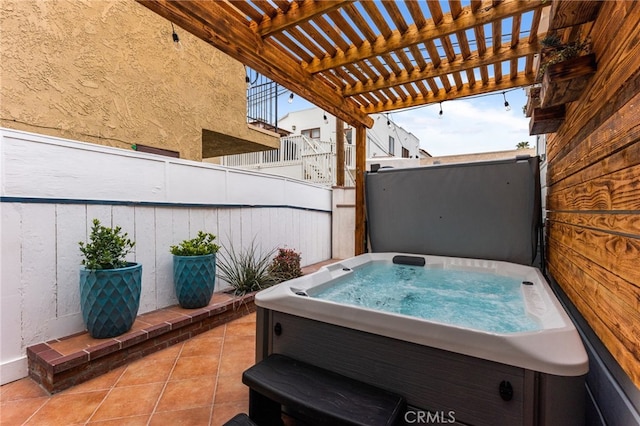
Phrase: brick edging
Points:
(56, 372)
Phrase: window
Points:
(154, 150)
(311, 133)
(348, 136)
(405, 152)
(391, 146)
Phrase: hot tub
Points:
(473, 374)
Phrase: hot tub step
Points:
(317, 395)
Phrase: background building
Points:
(384, 139)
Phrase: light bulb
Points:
(506, 103)
(290, 98)
(176, 40)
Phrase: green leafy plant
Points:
(247, 270)
(285, 266)
(107, 247)
(554, 51)
(201, 245)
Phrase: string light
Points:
(506, 103)
(461, 98)
(388, 123)
(176, 40)
(290, 98)
(326, 120)
(440, 113)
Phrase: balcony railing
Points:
(316, 159)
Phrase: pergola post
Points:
(361, 156)
(339, 152)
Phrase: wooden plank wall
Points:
(593, 199)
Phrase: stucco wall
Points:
(107, 72)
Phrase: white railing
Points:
(290, 152)
(317, 159)
(349, 178)
(318, 168)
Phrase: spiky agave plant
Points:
(246, 270)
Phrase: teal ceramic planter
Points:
(194, 279)
(109, 299)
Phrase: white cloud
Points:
(469, 126)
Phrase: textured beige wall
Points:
(107, 72)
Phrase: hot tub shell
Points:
(454, 372)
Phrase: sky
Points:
(467, 126)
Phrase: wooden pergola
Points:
(356, 58)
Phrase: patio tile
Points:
(177, 385)
(242, 328)
(195, 366)
(21, 389)
(247, 318)
(231, 389)
(146, 371)
(242, 343)
(120, 401)
(103, 382)
(224, 412)
(123, 421)
(236, 362)
(16, 412)
(190, 417)
(206, 346)
(218, 331)
(172, 352)
(68, 409)
(190, 393)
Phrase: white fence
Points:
(53, 188)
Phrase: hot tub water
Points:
(464, 298)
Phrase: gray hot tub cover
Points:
(485, 210)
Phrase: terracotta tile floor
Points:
(197, 382)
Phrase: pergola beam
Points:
(458, 65)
